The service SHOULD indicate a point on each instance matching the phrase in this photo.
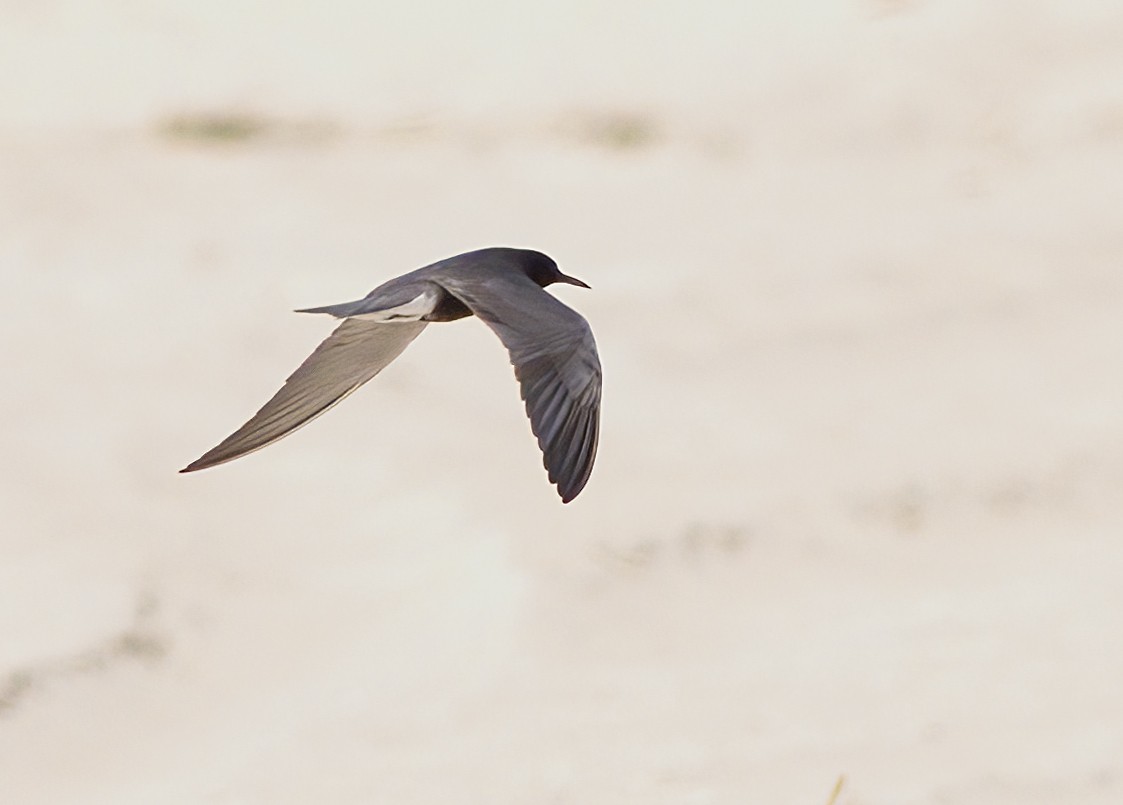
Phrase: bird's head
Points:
(544, 271)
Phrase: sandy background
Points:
(857, 276)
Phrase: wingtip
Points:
(568, 495)
(200, 463)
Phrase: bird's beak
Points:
(571, 280)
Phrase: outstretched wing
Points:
(349, 357)
(556, 363)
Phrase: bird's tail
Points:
(341, 311)
(382, 309)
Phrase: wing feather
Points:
(556, 364)
(354, 353)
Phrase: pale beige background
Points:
(857, 276)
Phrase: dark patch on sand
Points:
(139, 641)
(235, 128)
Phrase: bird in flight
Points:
(551, 348)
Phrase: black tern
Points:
(551, 348)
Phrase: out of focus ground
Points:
(857, 278)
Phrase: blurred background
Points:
(856, 281)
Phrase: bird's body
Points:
(551, 347)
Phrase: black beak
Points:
(571, 280)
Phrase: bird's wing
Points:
(556, 363)
(349, 357)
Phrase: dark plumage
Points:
(551, 348)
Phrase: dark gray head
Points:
(543, 270)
